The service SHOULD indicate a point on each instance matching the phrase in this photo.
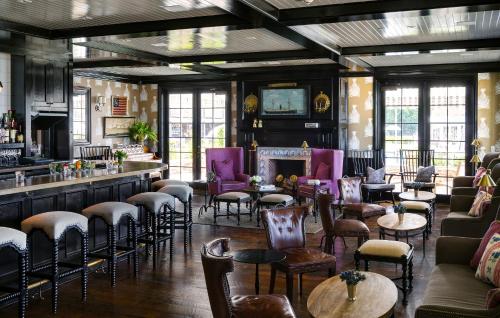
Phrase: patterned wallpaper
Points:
(142, 104)
(360, 113)
(488, 112)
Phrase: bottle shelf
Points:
(14, 145)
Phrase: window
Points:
(180, 135)
(81, 115)
(213, 124)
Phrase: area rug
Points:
(207, 218)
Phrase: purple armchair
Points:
(331, 162)
(220, 185)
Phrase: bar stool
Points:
(273, 200)
(112, 213)
(157, 185)
(155, 204)
(16, 240)
(185, 195)
(53, 225)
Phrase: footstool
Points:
(228, 198)
(273, 200)
(420, 207)
(389, 252)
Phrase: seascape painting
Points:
(284, 102)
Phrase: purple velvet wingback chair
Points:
(223, 155)
(334, 159)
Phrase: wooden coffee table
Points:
(424, 196)
(376, 297)
(412, 225)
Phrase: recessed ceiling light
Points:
(466, 22)
(159, 44)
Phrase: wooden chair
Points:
(361, 160)
(410, 160)
(96, 153)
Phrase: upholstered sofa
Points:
(462, 185)
(453, 290)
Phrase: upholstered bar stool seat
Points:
(157, 185)
(420, 207)
(111, 213)
(389, 252)
(16, 240)
(54, 224)
(228, 198)
(184, 220)
(277, 198)
(157, 206)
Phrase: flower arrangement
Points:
(255, 180)
(352, 277)
(120, 155)
(399, 209)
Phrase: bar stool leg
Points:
(190, 209)
(155, 238)
(112, 260)
(238, 215)
(185, 220)
(55, 275)
(405, 282)
(23, 284)
(134, 246)
(85, 269)
(172, 234)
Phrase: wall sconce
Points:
(100, 102)
(1, 86)
(254, 145)
(305, 145)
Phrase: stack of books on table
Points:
(267, 187)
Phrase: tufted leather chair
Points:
(285, 232)
(338, 228)
(351, 201)
(216, 265)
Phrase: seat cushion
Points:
(153, 201)
(350, 228)
(416, 205)
(306, 259)
(255, 306)
(363, 210)
(227, 186)
(277, 198)
(453, 285)
(384, 248)
(378, 186)
(54, 223)
(12, 236)
(233, 196)
(181, 192)
(111, 212)
(157, 185)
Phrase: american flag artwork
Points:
(119, 105)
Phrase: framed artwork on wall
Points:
(117, 126)
(284, 102)
(119, 105)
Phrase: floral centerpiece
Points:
(417, 186)
(255, 181)
(120, 155)
(352, 278)
(400, 210)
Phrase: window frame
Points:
(78, 90)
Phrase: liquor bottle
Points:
(13, 128)
(6, 129)
(2, 130)
(20, 135)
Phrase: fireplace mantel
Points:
(266, 155)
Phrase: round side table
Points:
(412, 225)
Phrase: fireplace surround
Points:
(269, 160)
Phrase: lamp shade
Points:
(476, 143)
(475, 159)
(486, 180)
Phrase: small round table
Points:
(411, 223)
(424, 196)
(257, 256)
(376, 297)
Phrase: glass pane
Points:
(439, 131)
(409, 131)
(439, 114)
(409, 114)
(393, 114)
(180, 126)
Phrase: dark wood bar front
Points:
(38, 194)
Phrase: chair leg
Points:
(410, 274)
(272, 280)
(55, 275)
(405, 283)
(238, 213)
(112, 260)
(190, 218)
(299, 282)
(133, 232)
(185, 220)
(85, 269)
(154, 227)
(289, 286)
(392, 197)
(215, 212)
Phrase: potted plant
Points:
(120, 155)
(351, 278)
(417, 186)
(255, 181)
(141, 131)
(400, 210)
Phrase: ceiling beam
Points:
(117, 48)
(437, 69)
(246, 57)
(25, 29)
(371, 10)
(108, 62)
(493, 43)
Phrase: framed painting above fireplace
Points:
(284, 102)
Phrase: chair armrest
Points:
(434, 175)
(390, 175)
(461, 203)
(441, 311)
(242, 177)
(463, 181)
(456, 250)
(464, 191)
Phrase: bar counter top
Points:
(130, 168)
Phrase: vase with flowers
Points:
(352, 278)
(416, 187)
(400, 210)
(255, 181)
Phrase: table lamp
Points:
(486, 180)
(305, 145)
(475, 158)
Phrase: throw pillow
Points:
(375, 176)
(489, 266)
(424, 174)
(493, 298)
(479, 173)
(323, 171)
(481, 197)
(494, 228)
(224, 169)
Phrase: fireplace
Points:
(284, 160)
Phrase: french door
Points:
(196, 121)
(433, 115)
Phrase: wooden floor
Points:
(177, 287)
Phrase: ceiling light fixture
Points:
(25, 1)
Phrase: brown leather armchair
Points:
(338, 228)
(351, 200)
(216, 266)
(462, 185)
(285, 232)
